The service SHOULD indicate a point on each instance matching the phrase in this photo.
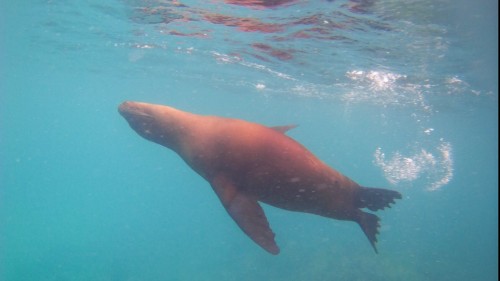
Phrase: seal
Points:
(247, 163)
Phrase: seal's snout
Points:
(132, 110)
(129, 109)
(125, 107)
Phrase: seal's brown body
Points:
(247, 162)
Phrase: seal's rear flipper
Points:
(373, 199)
(376, 198)
(369, 224)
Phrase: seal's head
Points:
(156, 123)
(140, 117)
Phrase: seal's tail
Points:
(374, 199)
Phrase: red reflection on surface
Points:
(277, 53)
(194, 34)
(260, 3)
(243, 24)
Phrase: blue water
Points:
(394, 94)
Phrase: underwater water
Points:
(394, 94)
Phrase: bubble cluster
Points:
(437, 168)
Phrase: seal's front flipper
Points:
(246, 212)
(283, 129)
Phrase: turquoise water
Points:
(396, 95)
